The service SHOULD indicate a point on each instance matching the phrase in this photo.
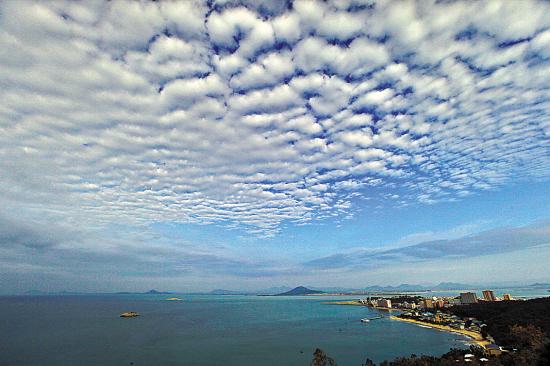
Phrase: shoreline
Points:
(476, 337)
(346, 302)
(358, 303)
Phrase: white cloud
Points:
(541, 43)
(287, 27)
(183, 92)
(187, 17)
(269, 70)
(146, 112)
(169, 58)
(362, 138)
(277, 99)
(222, 27)
(362, 56)
(376, 97)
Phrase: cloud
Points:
(269, 70)
(169, 58)
(287, 27)
(357, 59)
(256, 116)
(60, 252)
(277, 99)
(485, 243)
(182, 93)
(29, 234)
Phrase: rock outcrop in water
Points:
(129, 314)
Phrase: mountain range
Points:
(285, 289)
(409, 288)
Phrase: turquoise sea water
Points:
(202, 330)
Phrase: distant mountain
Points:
(409, 287)
(405, 287)
(273, 290)
(452, 286)
(539, 285)
(57, 293)
(226, 292)
(155, 292)
(334, 290)
(35, 292)
(266, 291)
(150, 292)
(300, 290)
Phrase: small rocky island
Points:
(129, 314)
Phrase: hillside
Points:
(300, 290)
(501, 315)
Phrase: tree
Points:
(321, 359)
(369, 362)
(484, 332)
(544, 358)
(528, 336)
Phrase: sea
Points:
(204, 330)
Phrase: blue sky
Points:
(242, 144)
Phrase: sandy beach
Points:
(478, 339)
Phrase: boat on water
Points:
(366, 320)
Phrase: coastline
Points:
(476, 337)
(358, 303)
(347, 302)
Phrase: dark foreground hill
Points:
(501, 315)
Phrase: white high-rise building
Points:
(468, 298)
(489, 295)
(384, 303)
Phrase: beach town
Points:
(434, 312)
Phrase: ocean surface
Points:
(202, 330)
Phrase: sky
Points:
(190, 146)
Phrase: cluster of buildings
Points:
(455, 322)
(488, 295)
(442, 318)
(434, 303)
(377, 303)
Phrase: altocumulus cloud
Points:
(256, 114)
